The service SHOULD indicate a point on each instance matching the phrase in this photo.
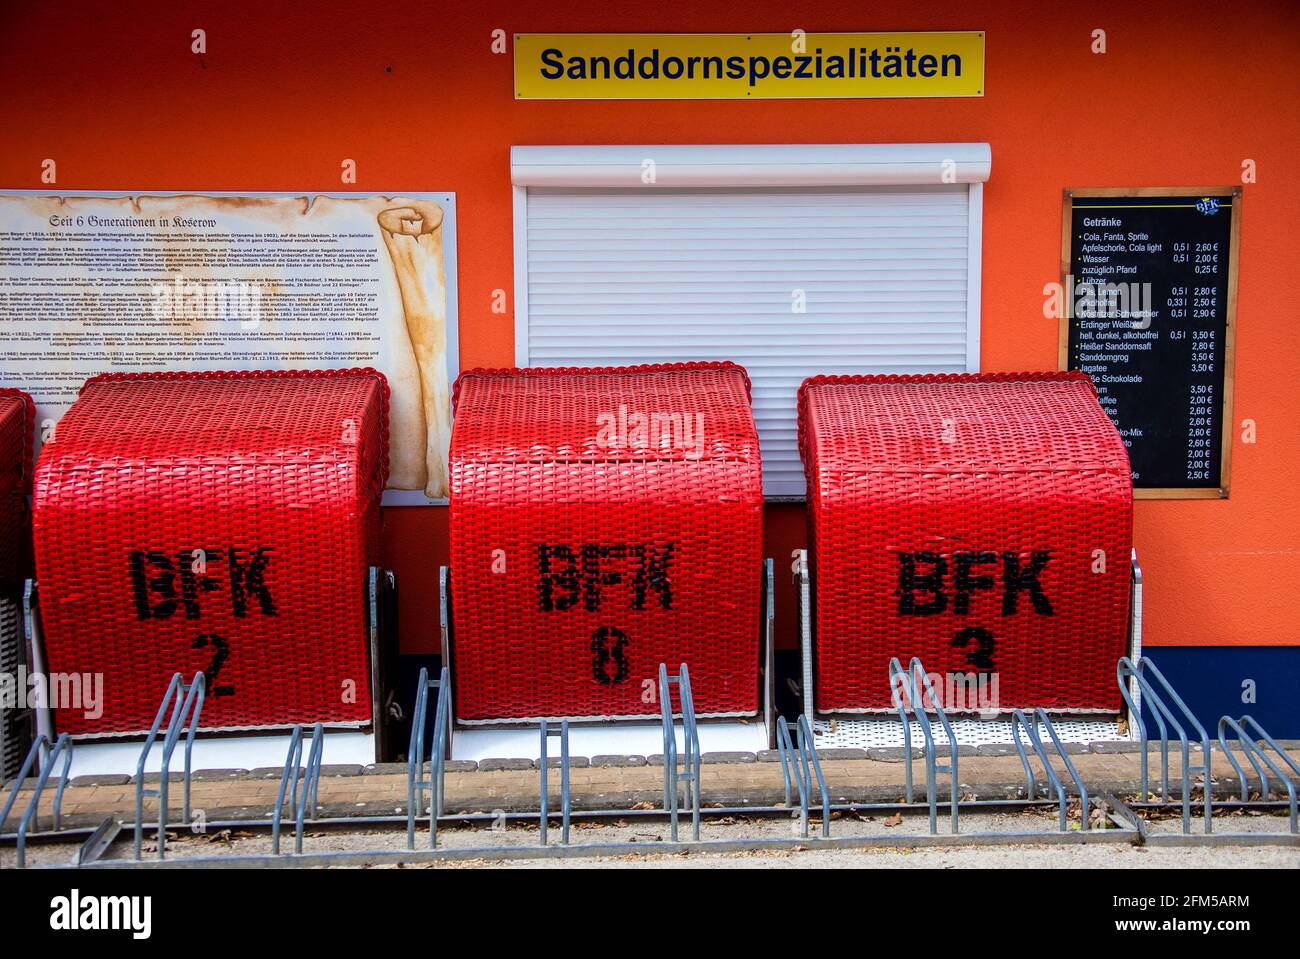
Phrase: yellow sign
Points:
(758, 66)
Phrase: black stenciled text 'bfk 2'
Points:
(165, 583)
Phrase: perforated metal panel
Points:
(882, 733)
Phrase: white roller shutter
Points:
(788, 281)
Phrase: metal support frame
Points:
(186, 703)
(1135, 637)
(1018, 719)
(416, 784)
(1128, 829)
(45, 757)
(308, 778)
(444, 636)
(768, 648)
(361, 857)
(1126, 668)
(98, 841)
(801, 765)
(1259, 759)
(920, 699)
(381, 587)
(673, 777)
(566, 803)
(803, 603)
(42, 722)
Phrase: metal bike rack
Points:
(673, 778)
(1128, 830)
(802, 765)
(1018, 720)
(186, 703)
(920, 699)
(47, 757)
(308, 778)
(566, 804)
(1259, 759)
(416, 784)
(1155, 694)
(914, 696)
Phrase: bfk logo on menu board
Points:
(757, 66)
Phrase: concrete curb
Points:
(887, 754)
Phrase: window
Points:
(790, 260)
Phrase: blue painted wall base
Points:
(1212, 680)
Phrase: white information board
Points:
(108, 282)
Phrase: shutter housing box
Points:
(792, 260)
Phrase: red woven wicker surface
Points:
(586, 550)
(980, 521)
(17, 416)
(216, 522)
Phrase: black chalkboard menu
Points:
(1148, 304)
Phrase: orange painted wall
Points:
(413, 94)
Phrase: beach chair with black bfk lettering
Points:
(603, 522)
(980, 524)
(224, 526)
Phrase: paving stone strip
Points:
(618, 782)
